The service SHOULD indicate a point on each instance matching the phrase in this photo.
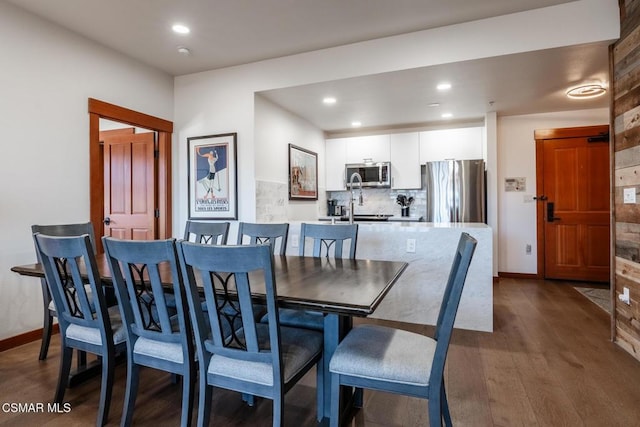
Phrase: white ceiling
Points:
(233, 32)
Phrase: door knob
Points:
(541, 198)
(107, 221)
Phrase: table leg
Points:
(335, 328)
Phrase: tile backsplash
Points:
(383, 200)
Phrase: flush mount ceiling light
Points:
(184, 51)
(356, 124)
(443, 86)
(329, 100)
(447, 115)
(180, 29)
(433, 104)
(586, 91)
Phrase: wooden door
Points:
(576, 208)
(129, 186)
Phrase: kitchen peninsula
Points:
(429, 249)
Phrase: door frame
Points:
(164, 128)
(540, 137)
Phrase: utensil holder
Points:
(405, 211)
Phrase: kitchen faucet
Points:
(354, 175)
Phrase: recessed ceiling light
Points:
(356, 124)
(184, 51)
(329, 100)
(444, 86)
(587, 91)
(433, 104)
(447, 115)
(180, 29)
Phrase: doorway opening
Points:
(163, 129)
(574, 203)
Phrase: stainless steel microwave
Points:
(376, 175)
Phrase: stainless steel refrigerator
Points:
(456, 191)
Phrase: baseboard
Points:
(27, 337)
(518, 276)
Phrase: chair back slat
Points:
(208, 233)
(65, 259)
(204, 265)
(274, 234)
(451, 300)
(329, 240)
(148, 305)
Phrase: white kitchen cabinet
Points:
(335, 159)
(374, 147)
(405, 160)
(459, 144)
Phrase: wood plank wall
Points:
(626, 127)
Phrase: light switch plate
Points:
(629, 195)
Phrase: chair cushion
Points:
(159, 349)
(92, 335)
(300, 319)
(378, 352)
(298, 346)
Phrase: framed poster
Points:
(303, 174)
(213, 177)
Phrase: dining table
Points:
(341, 289)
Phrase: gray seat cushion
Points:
(298, 346)
(378, 352)
(300, 319)
(92, 335)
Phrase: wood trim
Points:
(164, 184)
(100, 109)
(25, 338)
(131, 117)
(612, 200)
(574, 132)
(505, 275)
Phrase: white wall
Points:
(517, 158)
(47, 76)
(276, 128)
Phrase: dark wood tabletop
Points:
(342, 286)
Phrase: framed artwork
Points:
(213, 177)
(303, 174)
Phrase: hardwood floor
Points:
(549, 362)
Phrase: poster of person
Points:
(212, 177)
(303, 174)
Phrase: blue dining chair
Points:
(49, 309)
(397, 361)
(86, 323)
(159, 334)
(211, 233)
(274, 234)
(258, 359)
(330, 241)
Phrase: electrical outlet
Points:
(294, 240)
(411, 245)
(527, 249)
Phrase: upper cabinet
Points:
(336, 157)
(405, 161)
(459, 144)
(374, 148)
